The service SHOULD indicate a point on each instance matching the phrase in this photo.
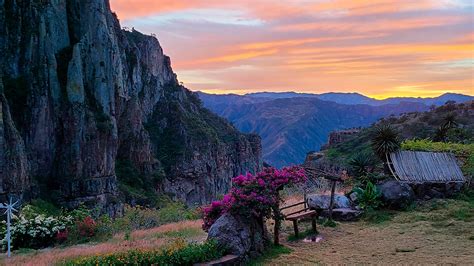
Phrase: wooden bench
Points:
(304, 213)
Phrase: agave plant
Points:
(385, 140)
(450, 121)
(361, 164)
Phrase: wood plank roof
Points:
(429, 167)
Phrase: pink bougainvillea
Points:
(253, 195)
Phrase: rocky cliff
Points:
(93, 113)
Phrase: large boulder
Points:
(321, 202)
(396, 195)
(243, 237)
(343, 214)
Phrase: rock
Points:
(343, 214)
(322, 201)
(242, 237)
(396, 195)
(353, 197)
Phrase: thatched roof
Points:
(421, 167)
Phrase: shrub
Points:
(178, 253)
(37, 232)
(368, 198)
(253, 195)
(87, 227)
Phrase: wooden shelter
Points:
(425, 167)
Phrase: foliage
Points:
(368, 198)
(461, 150)
(253, 195)
(37, 232)
(362, 164)
(136, 186)
(385, 139)
(178, 253)
(87, 227)
(138, 217)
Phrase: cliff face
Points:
(81, 97)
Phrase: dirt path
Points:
(403, 240)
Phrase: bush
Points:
(253, 195)
(368, 198)
(178, 253)
(37, 232)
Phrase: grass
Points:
(272, 252)
(145, 239)
(182, 233)
(378, 217)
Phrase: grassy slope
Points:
(411, 126)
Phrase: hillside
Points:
(91, 113)
(290, 127)
(423, 125)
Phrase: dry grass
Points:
(140, 239)
(429, 236)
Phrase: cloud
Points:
(377, 47)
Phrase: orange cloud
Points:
(377, 47)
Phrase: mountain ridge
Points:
(290, 127)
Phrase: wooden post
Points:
(295, 226)
(331, 204)
(276, 230)
(313, 224)
(305, 200)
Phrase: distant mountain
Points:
(290, 127)
(357, 98)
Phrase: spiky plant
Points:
(450, 121)
(385, 140)
(361, 164)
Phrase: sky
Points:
(380, 48)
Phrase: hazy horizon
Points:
(383, 48)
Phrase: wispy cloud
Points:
(377, 47)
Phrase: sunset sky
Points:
(380, 48)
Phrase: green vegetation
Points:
(368, 197)
(271, 253)
(385, 140)
(178, 128)
(463, 151)
(442, 214)
(141, 218)
(177, 253)
(136, 186)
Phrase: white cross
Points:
(10, 208)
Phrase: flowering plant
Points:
(86, 227)
(37, 232)
(253, 195)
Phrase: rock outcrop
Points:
(396, 195)
(79, 94)
(243, 237)
(321, 202)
